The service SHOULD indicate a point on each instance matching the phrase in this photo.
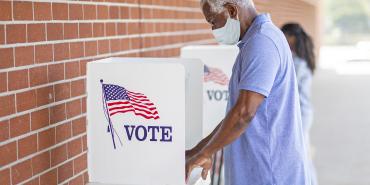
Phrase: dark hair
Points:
(304, 47)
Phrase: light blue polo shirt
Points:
(271, 151)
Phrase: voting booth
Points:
(218, 62)
(142, 113)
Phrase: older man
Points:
(262, 131)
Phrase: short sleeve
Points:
(260, 65)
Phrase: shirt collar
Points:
(258, 20)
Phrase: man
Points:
(262, 131)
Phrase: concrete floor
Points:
(341, 130)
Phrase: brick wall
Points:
(307, 14)
(44, 48)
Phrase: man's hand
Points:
(194, 160)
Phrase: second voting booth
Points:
(218, 62)
(142, 115)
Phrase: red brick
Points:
(49, 178)
(134, 13)
(58, 155)
(46, 138)
(60, 11)
(78, 126)
(54, 31)
(42, 11)
(6, 10)
(85, 30)
(2, 34)
(57, 113)
(121, 28)
(72, 69)
(24, 56)
(4, 131)
(89, 12)
(77, 87)
(3, 82)
(15, 33)
(55, 72)
(65, 171)
(43, 53)
(75, 12)
(70, 30)
(35, 181)
(86, 178)
(77, 181)
(77, 49)
(103, 46)
(7, 105)
(36, 32)
(38, 76)
(61, 51)
(18, 79)
(114, 12)
(147, 43)
(83, 105)
(39, 119)
(74, 147)
(124, 12)
(110, 29)
(83, 66)
(73, 108)
(84, 143)
(115, 45)
(21, 171)
(98, 30)
(7, 59)
(147, 14)
(22, 10)
(41, 162)
(44, 95)
(91, 48)
(19, 125)
(63, 132)
(27, 146)
(8, 153)
(26, 100)
(125, 44)
(147, 28)
(62, 91)
(103, 12)
(135, 43)
(133, 28)
(80, 163)
(5, 175)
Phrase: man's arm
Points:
(203, 143)
(234, 124)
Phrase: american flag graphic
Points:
(120, 100)
(215, 75)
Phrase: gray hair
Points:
(218, 5)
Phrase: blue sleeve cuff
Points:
(255, 89)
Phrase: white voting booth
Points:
(218, 61)
(142, 114)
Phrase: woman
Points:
(304, 61)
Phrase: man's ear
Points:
(232, 9)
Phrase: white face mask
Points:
(229, 34)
